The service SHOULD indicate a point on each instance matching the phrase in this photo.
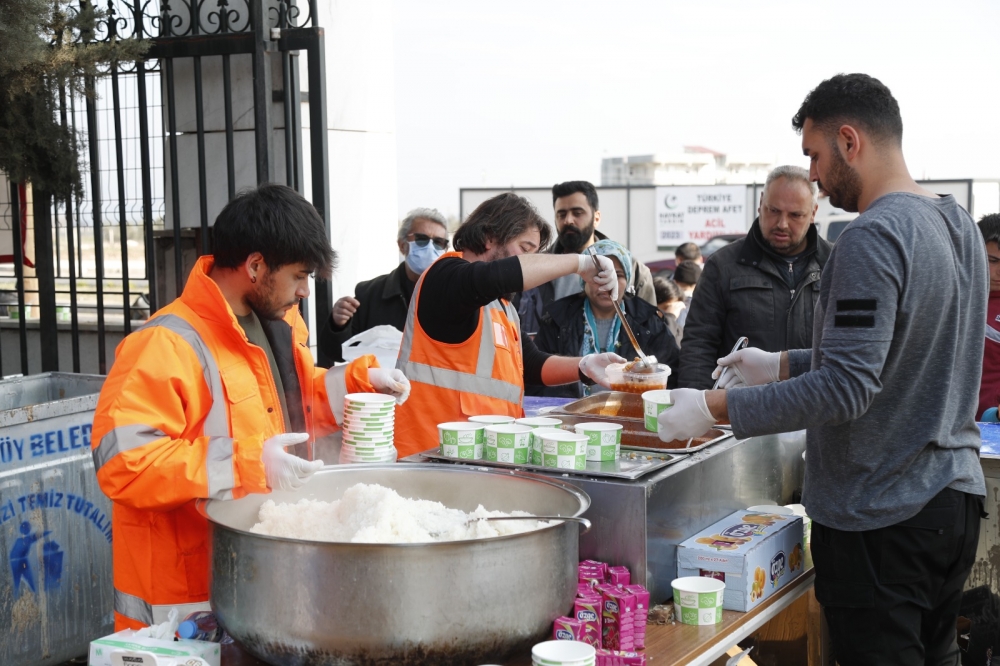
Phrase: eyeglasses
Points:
(423, 239)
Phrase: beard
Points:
(843, 184)
(572, 239)
(265, 302)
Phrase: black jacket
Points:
(742, 291)
(561, 332)
(382, 302)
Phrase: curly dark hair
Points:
(500, 219)
(853, 98)
(989, 225)
(574, 186)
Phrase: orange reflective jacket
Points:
(183, 415)
(451, 382)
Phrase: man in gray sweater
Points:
(888, 392)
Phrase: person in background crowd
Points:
(384, 300)
(763, 286)
(686, 276)
(689, 252)
(577, 217)
(989, 387)
(462, 346)
(893, 482)
(203, 399)
(670, 301)
(586, 323)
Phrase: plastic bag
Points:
(382, 341)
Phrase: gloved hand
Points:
(283, 470)
(390, 382)
(750, 367)
(605, 279)
(689, 417)
(595, 366)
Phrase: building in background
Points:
(696, 165)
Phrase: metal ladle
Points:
(574, 519)
(628, 329)
(740, 344)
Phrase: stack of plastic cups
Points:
(537, 424)
(563, 653)
(369, 420)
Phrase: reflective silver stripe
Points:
(461, 381)
(992, 333)
(217, 421)
(487, 343)
(336, 390)
(219, 464)
(142, 611)
(133, 607)
(124, 438)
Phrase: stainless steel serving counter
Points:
(640, 523)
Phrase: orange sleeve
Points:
(148, 444)
(330, 387)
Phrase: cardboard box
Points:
(755, 554)
(108, 651)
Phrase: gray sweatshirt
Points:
(890, 392)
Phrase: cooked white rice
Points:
(370, 513)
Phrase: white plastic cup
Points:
(510, 442)
(536, 443)
(368, 400)
(539, 422)
(461, 439)
(563, 653)
(654, 402)
(603, 440)
(491, 419)
(698, 600)
(564, 450)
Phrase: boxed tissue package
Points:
(754, 554)
(125, 648)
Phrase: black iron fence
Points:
(216, 105)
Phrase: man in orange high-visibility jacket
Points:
(202, 400)
(462, 345)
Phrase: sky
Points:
(533, 93)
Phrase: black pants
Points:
(891, 595)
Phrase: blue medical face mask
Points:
(419, 258)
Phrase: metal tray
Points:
(626, 409)
(631, 464)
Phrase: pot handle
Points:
(584, 523)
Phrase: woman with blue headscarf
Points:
(586, 323)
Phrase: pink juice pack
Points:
(617, 618)
(567, 629)
(587, 610)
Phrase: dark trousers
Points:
(891, 595)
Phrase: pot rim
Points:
(201, 505)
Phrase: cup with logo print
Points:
(603, 440)
(698, 600)
(461, 439)
(654, 402)
(509, 441)
(564, 450)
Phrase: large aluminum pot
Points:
(292, 602)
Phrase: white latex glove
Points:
(605, 279)
(689, 417)
(750, 367)
(390, 382)
(595, 366)
(283, 470)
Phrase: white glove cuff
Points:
(582, 262)
(703, 406)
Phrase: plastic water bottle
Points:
(201, 626)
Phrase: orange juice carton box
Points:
(754, 554)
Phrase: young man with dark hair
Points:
(689, 252)
(462, 344)
(578, 215)
(203, 399)
(888, 391)
(989, 386)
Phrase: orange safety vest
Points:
(183, 415)
(451, 382)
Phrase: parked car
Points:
(665, 267)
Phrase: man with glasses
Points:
(422, 238)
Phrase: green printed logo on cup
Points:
(508, 455)
(491, 453)
(698, 600)
(566, 448)
(653, 403)
(689, 615)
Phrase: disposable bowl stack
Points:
(369, 422)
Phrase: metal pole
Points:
(320, 164)
(71, 248)
(95, 198)
(16, 206)
(48, 332)
(122, 210)
(261, 91)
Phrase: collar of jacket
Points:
(753, 250)
(391, 289)
(203, 295)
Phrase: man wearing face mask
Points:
(422, 238)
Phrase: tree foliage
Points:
(46, 46)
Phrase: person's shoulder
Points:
(376, 283)
(561, 310)
(641, 310)
(728, 254)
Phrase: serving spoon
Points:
(628, 329)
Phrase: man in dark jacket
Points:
(764, 286)
(422, 238)
(577, 212)
(586, 323)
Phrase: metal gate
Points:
(164, 142)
